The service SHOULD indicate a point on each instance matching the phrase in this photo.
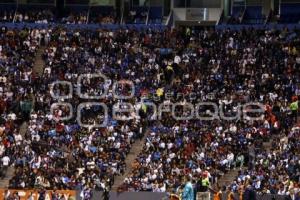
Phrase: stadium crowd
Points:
(275, 171)
(228, 68)
(238, 67)
(17, 52)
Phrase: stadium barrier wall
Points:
(129, 196)
(258, 26)
(258, 197)
(97, 195)
(26, 194)
(164, 196)
(157, 27)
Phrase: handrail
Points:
(88, 13)
(15, 15)
(148, 14)
(169, 18)
(122, 15)
(268, 18)
(220, 17)
(243, 14)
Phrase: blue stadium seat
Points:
(289, 13)
(253, 15)
(139, 18)
(236, 10)
(155, 15)
(102, 11)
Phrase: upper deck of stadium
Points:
(113, 14)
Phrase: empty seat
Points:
(155, 15)
(290, 13)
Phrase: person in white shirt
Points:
(5, 161)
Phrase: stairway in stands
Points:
(38, 68)
(4, 183)
(229, 177)
(136, 148)
(39, 63)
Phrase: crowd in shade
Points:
(46, 16)
(136, 16)
(40, 16)
(75, 18)
(98, 16)
(229, 69)
(7, 16)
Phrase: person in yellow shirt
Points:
(294, 106)
(160, 92)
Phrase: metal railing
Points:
(148, 14)
(16, 11)
(122, 16)
(170, 16)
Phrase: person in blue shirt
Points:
(188, 191)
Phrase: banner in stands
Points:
(34, 194)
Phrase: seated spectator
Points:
(226, 68)
(35, 16)
(7, 16)
(75, 18)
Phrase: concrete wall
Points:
(179, 14)
(266, 7)
(156, 3)
(129, 196)
(214, 14)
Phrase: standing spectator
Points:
(249, 193)
(188, 191)
(5, 164)
(294, 106)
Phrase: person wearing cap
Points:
(205, 181)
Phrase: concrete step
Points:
(39, 63)
(4, 183)
(134, 151)
(228, 178)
